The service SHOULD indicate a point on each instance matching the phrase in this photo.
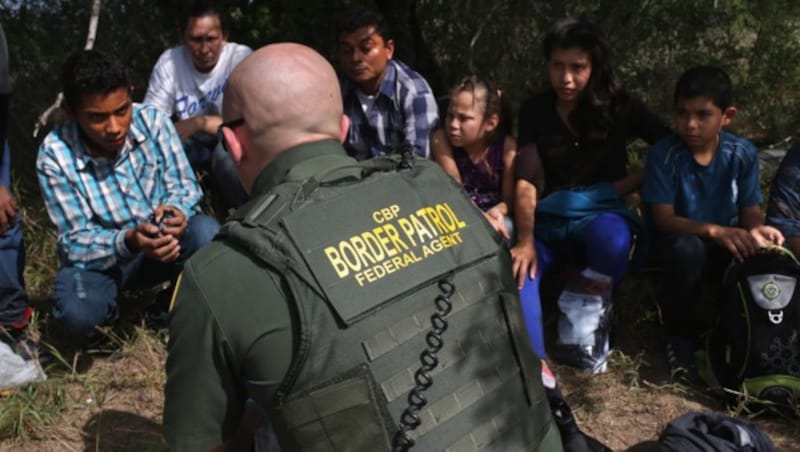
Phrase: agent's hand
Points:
(172, 220)
(8, 209)
(523, 258)
(498, 222)
(146, 238)
(767, 235)
(738, 241)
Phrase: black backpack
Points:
(754, 349)
(713, 432)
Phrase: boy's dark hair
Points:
(202, 9)
(91, 72)
(705, 81)
(357, 17)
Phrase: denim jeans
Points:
(209, 155)
(688, 263)
(88, 298)
(14, 310)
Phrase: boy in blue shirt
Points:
(701, 187)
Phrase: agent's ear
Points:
(234, 145)
(728, 115)
(344, 128)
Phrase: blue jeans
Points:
(210, 155)
(88, 298)
(604, 247)
(13, 300)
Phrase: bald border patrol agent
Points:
(365, 306)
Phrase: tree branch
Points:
(90, 37)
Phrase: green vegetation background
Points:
(757, 41)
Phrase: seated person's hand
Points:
(767, 235)
(737, 241)
(498, 222)
(157, 246)
(523, 258)
(8, 208)
(170, 221)
(211, 123)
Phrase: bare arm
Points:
(630, 182)
(750, 216)
(496, 215)
(507, 184)
(443, 154)
(752, 219)
(738, 241)
(203, 123)
(523, 254)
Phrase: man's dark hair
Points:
(91, 72)
(357, 17)
(202, 9)
(705, 81)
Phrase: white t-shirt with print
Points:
(176, 87)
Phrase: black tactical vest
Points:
(378, 269)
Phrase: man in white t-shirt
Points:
(188, 82)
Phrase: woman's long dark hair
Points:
(603, 99)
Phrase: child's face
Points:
(465, 122)
(570, 71)
(698, 121)
(105, 120)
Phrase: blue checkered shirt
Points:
(94, 200)
(404, 111)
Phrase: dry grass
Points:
(93, 400)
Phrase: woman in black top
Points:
(572, 141)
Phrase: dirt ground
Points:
(113, 402)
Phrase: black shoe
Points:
(157, 314)
(572, 437)
(28, 348)
(680, 361)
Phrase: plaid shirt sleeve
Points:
(422, 116)
(180, 186)
(82, 243)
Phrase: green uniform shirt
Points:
(230, 327)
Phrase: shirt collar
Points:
(389, 77)
(300, 163)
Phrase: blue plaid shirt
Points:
(94, 200)
(404, 111)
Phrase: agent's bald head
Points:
(288, 94)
